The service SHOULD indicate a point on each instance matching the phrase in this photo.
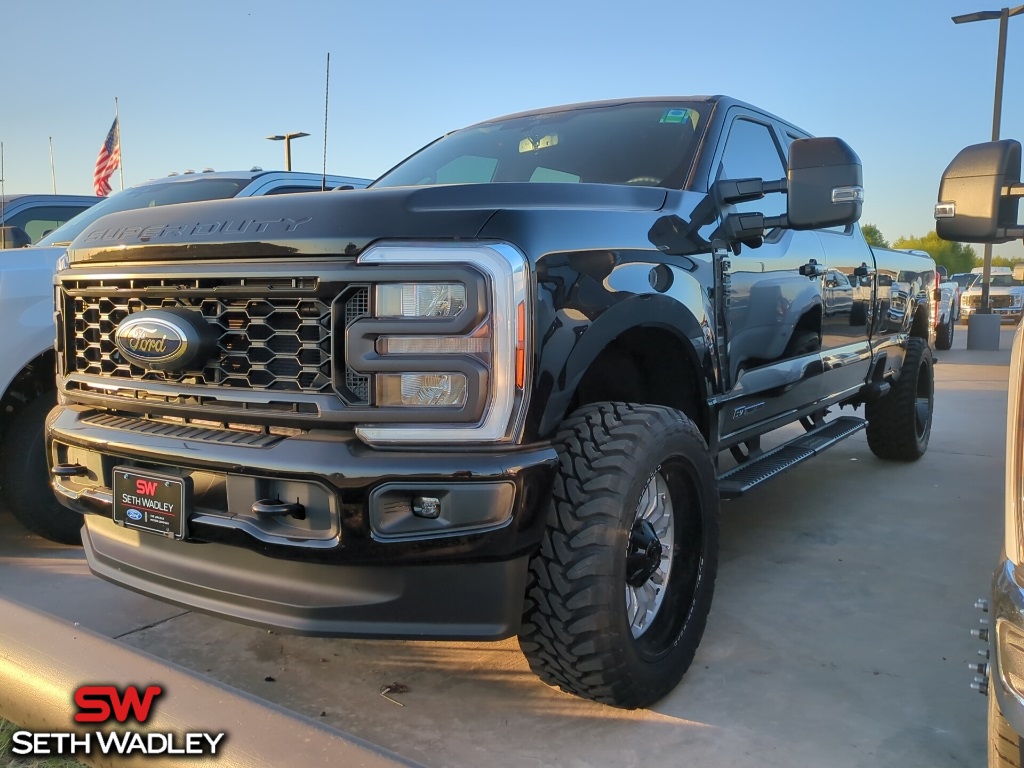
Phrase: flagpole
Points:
(327, 98)
(3, 200)
(120, 149)
(53, 174)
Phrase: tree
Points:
(955, 257)
(874, 236)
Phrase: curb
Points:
(44, 659)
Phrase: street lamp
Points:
(997, 110)
(287, 139)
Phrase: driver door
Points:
(773, 312)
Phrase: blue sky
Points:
(201, 84)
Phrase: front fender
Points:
(572, 343)
(26, 313)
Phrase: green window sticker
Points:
(679, 116)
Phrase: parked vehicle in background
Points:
(948, 314)
(965, 279)
(962, 281)
(26, 316)
(487, 395)
(978, 198)
(1005, 295)
(36, 215)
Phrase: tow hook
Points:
(981, 668)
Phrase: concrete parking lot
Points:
(839, 634)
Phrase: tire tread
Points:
(566, 621)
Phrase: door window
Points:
(750, 152)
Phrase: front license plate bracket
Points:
(154, 502)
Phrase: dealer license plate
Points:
(151, 501)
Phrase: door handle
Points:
(812, 269)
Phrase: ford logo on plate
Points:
(165, 339)
(133, 514)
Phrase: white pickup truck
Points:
(1005, 294)
(948, 309)
(27, 337)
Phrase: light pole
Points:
(287, 139)
(997, 111)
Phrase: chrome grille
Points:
(995, 300)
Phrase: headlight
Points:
(1014, 482)
(420, 299)
(419, 389)
(446, 349)
(1017, 299)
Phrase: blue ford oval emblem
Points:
(133, 514)
(148, 341)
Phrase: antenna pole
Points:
(327, 96)
(53, 175)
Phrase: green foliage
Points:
(7, 758)
(955, 257)
(874, 236)
(1002, 261)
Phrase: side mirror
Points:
(978, 194)
(826, 184)
(14, 237)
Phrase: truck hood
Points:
(334, 223)
(1004, 290)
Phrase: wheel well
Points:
(32, 381)
(646, 365)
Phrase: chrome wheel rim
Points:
(649, 554)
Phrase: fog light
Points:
(426, 506)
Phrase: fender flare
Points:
(643, 310)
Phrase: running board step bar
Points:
(742, 478)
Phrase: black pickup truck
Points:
(488, 395)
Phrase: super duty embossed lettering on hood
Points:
(337, 222)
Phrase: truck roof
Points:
(42, 199)
(725, 101)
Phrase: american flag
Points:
(107, 162)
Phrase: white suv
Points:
(26, 340)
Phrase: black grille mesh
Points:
(275, 343)
(357, 305)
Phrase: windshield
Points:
(146, 196)
(650, 143)
(965, 279)
(1002, 281)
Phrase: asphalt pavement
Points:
(839, 634)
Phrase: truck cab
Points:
(37, 215)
